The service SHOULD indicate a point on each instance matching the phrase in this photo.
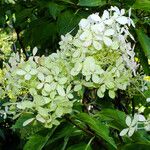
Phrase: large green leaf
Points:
(142, 4)
(92, 3)
(38, 141)
(117, 116)
(144, 41)
(55, 9)
(145, 44)
(21, 120)
(66, 130)
(100, 129)
(67, 22)
(137, 146)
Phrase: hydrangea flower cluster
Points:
(138, 122)
(98, 57)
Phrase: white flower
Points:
(28, 72)
(105, 15)
(98, 28)
(84, 24)
(148, 99)
(132, 126)
(94, 18)
(130, 21)
(86, 37)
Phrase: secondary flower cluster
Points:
(98, 57)
(138, 122)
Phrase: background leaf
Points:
(142, 4)
(99, 129)
(92, 3)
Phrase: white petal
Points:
(27, 68)
(116, 9)
(78, 66)
(28, 121)
(62, 80)
(40, 76)
(132, 23)
(61, 90)
(47, 87)
(33, 72)
(122, 11)
(98, 27)
(40, 118)
(115, 45)
(128, 120)
(109, 32)
(70, 96)
(124, 132)
(122, 20)
(40, 85)
(97, 45)
(135, 120)
(105, 15)
(20, 72)
(94, 18)
(85, 35)
(84, 24)
(107, 41)
(100, 94)
(76, 53)
(109, 21)
(27, 77)
(129, 12)
(49, 79)
(148, 99)
(87, 43)
(131, 131)
(34, 51)
(141, 118)
(95, 78)
(77, 87)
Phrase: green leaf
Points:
(99, 128)
(92, 3)
(35, 141)
(68, 1)
(64, 130)
(38, 140)
(116, 115)
(144, 41)
(145, 54)
(137, 146)
(55, 9)
(81, 146)
(67, 21)
(142, 4)
(21, 120)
